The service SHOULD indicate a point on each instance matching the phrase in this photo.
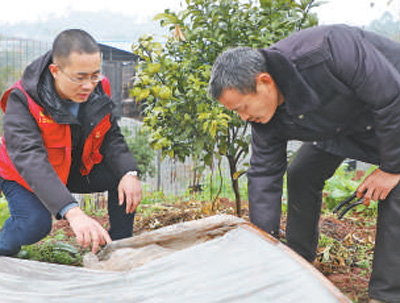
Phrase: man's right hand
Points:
(377, 186)
(86, 229)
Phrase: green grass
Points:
(213, 184)
(4, 213)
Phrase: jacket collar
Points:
(299, 96)
(50, 100)
(33, 73)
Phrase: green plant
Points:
(341, 185)
(215, 183)
(172, 79)
(329, 248)
(52, 251)
(4, 213)
(155, 197)
(138, 143)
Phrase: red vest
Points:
(57, 140)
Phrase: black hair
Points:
(73, 40)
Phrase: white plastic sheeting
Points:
(238, 263)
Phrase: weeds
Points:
(341, 186)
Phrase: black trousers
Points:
(102, 179)
(306, 177)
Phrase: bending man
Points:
(338, 89)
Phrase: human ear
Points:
(263, 81)
(264, 77)
(54, 70)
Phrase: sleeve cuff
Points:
(64, 210)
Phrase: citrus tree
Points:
(172, 78)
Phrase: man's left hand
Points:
(130, 191)
(377, 186)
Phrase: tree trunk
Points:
(235, 185)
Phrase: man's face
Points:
(256, 107)
(74, 81)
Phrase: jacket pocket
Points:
(56, 141)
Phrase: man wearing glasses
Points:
(61, 137)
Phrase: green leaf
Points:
(167, 18)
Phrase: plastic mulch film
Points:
(217, 259)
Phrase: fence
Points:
(15, 55)
(176, 178)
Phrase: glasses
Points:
(82, 80)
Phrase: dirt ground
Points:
(345, 259)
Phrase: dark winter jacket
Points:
(341, 87)
(24, 141)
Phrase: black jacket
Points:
(25, 145)
(341, 87)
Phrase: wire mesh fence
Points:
(15, 55)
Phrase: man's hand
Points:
(130, 191)
(377, 186)
(86, 229)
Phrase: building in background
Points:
(119, 66)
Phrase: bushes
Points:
(138, 143)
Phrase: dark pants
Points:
(30, 221)
(306, 177)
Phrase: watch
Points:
(134, 173)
